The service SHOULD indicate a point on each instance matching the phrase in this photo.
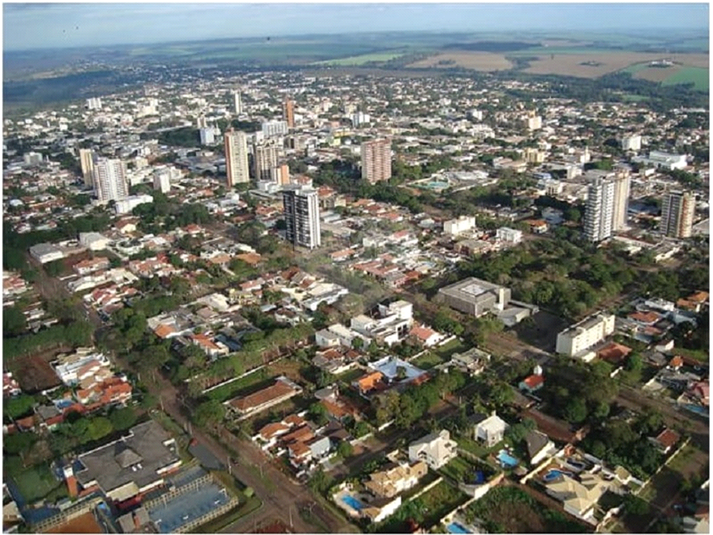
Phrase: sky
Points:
(61, 25)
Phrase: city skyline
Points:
(29, 26)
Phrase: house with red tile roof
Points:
(211, 347)
(665, 440)
(614, 353)
(370, 382)
(425, 336)
(532, 383)
(282, 390)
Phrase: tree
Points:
(17, 406)
(345, 449)
(358, 343)
(122, 418)
(635, 505)
(209, 413)
(634, 363)
(320, 481)
(576, 410)
(99, 427)
(13, 321)
(318, 413)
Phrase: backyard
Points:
(39, 482)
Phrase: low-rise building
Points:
(396, 478)
(577, 339)
(489, 429)
(475, 296)
(436, 449)
(282, 390)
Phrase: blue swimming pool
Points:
(507, 460)
(554, 474)
(352, 502)
(703, 411)
(455, 527)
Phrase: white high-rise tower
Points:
(236, 158)
(301, 205)
(110, 180)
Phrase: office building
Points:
(274, 128)
(631, 143)
(677, 212)
(237, 103)
(376, 160)
(265, 160)
(575, 341)
(475, 296)
(110, 180)
(607, 205)
(288, 111)
(301, 207)
(236, 158)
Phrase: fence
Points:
(68, 514)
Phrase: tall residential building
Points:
(301, 205)
(607, 206)
(86, 160)
(110, 182)
(237, 103)
(162, 181)
(376, 160)
(677, 212)
(631, 143)
(94, 103)
(265, 159)
(288, 111)
(236, 158)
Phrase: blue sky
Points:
(42, 25)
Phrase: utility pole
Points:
(291, 525)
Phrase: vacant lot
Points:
(34, 373)
(85, 523)
(478, 61)
(38, 482)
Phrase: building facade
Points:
(677, 212)
(86, 160)
(110, 180)
(236, 158)
(607, 206)
(288, 111)
(237, 103)
(301, 208)
(265, 160)
(274, 128)
(376, 160)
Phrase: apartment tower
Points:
(301, 206)
(607, 206)
(677, 212)
(288, 111)
(236, 158)
(110, 180)
(237, 103)
(265, 159)
(86, 160)
(376, 160)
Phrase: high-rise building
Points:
(301, 206)
(236, 158)
(677, 212)
(237, 103)
(94, 103)
(607, 205)
(110, 180)
(274, 128)
(631, 143)
(162, 181)
(86, 160)
(265, 159)
(207, 135)
(202, 122)
(288, 111)
(622, 185)
(376, 160)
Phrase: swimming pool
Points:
(554, 474)
(435, 185)
(455, 527)
(697, 409)
(352, 502)
(507, 460)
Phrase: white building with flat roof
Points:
(475, 296)
(578, 338)
(454, 227)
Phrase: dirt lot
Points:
(82, 524)
(34, 373)
(479, 61)
(599, 64)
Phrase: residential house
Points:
(282, 390)
(381, 508)
(489, 429)
(578, 497)
(425, 336)
(396, 478)
(473, 361)
(665, 440)
(532, 383)
(374, 381)
(10, 387)
(436, 449)
(539, 447)
(91, 265)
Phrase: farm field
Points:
(593, 65)
(478, 61)
(362, 59)
(699, 76)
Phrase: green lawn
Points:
(362, 59)
(454, 346)
(697, 75)
(38, 482)
(428, 360)
(242, 385)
